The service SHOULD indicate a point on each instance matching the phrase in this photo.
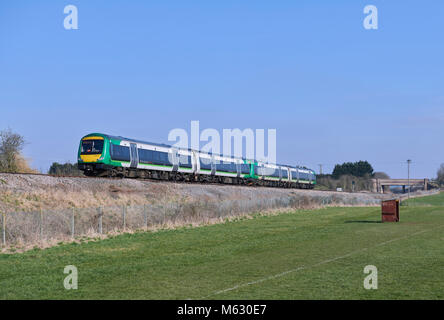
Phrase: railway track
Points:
(157, 181)
(147, 179)
(51, 175)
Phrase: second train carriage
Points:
(105, 155)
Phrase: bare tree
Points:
(10, 146)
(440, 177)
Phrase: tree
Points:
(381, 175)
(363, 168)
(66, 169)
(440, 177)
(10, 146)
(357, 169)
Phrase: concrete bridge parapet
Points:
(383, 185)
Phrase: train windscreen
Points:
(92, 147)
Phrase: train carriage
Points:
(105, 155)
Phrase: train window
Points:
(284, 173)
(145, 156)
(226, 167)
(154, 157)
(220, 166)
(185, 161)
(92, 147)
(265, 171)
(294, 175)
(161, 158)
(245, 168)
(275, 173)
(120, 153)
(205, 163)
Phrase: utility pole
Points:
(408, 174)
(320, 169)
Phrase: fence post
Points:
(145, 216)
(100, 220)
(41, 224)
(4, 229)
(72, 222)
(124, 216)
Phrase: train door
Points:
(262, 171)
(213, 165)
(134, 155)
(174, 155)
(195, 161)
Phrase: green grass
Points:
(330, 246)
(434, 200)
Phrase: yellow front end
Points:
(91, 155)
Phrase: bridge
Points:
(383, 185)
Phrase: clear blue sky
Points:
(334, 91)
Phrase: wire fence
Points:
(22, 228)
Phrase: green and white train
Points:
(110, 156)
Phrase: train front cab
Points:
(91, 154)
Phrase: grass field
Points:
(434, 200)
(319, 254)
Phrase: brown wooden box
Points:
(390, 210)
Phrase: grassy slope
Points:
(194, 263)
(435, 200)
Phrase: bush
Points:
(11, 159)
(440, 178)
(348, 183)
(381, 175)
(66, 169)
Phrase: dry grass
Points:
(26, 230)
(23, 165)
(167, 205)
(28, 193)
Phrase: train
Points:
(104, 155)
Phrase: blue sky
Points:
(334, 91)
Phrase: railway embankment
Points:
(22, 192)
(40, 210)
